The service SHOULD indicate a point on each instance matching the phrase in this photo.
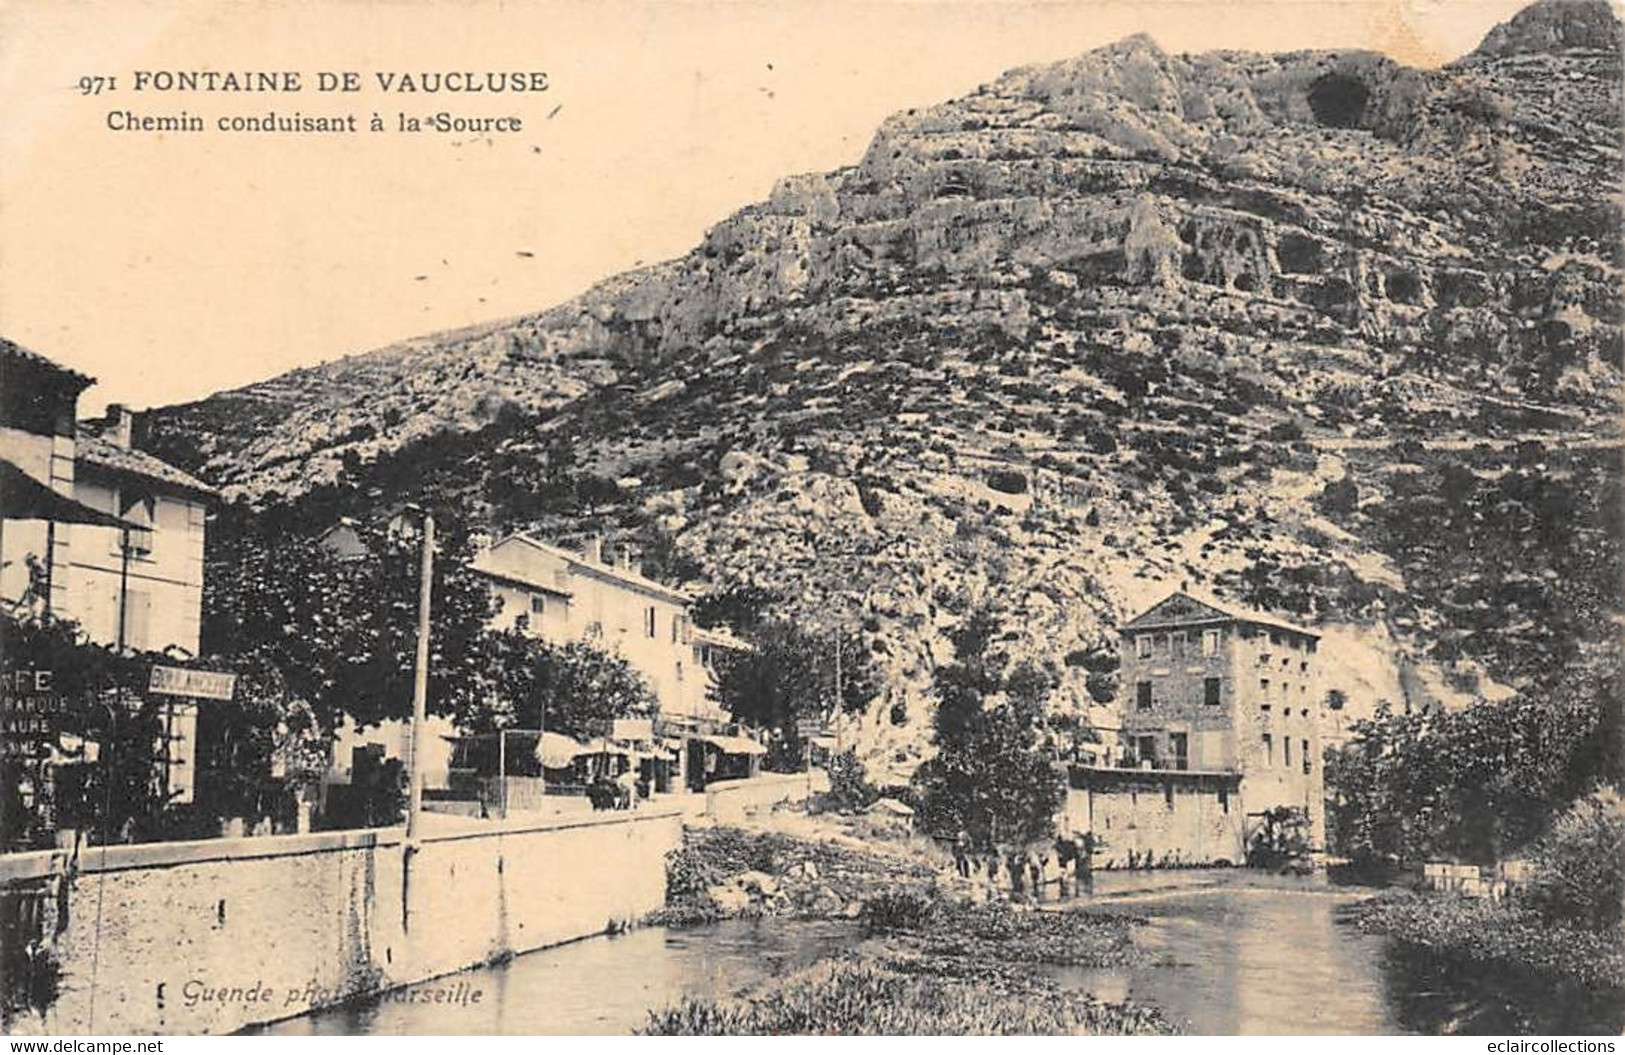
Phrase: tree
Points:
(789, 674)
(993, 776)
(1474, 784)
(341, 633)
(574, 688)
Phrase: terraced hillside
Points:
(1096, 329)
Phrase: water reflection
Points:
(1228, 954)
(1251, 960)
(599, 986)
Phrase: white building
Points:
(559, 595)
(147, 594)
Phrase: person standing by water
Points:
(1017, 867)
(1066, 856)
(962, 853)
(1086, 844)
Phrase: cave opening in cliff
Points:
(1338, 100)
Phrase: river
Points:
(1227, 953)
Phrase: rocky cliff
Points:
(1098, 328)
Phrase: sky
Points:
(173, 265)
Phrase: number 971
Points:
(95, 84)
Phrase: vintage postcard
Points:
(1077, 517)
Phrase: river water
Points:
(1227, 953)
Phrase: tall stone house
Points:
(560, 595)
(98, 531)
(1220, 712)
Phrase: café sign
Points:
(31, 712)
(201, 684)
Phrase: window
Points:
(1307, 765)
(1176, 644)
(1168, 794)
(1210, 642)
(1210, 691)
(538, 604)
(1142, 695)
(1224, 799)
(1179, 747)
(1264, 688)
(1269, 750)
(138, 539)
(1142, 646)
(1286, 662)
(1303, 667)
(649, 621)
(1263, 659)
(137, 616)
(1286, 751)
(1147, 746)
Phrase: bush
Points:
(895, 910)
(1580, 864)
(849, 787)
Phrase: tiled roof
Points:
(90, 449)
(12, 350)
(1220, 609)
(580, 564)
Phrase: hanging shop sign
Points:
(200, 684)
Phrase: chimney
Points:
(623, 557)
(120, 425)
(593, 550)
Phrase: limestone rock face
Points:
(1165, 291)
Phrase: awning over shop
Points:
(735, 745)
(555, 750)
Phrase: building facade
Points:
(559, 595)
(1215, 690)
(139, 584)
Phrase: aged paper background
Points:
(170, 267)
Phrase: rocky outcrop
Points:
(1158, 288)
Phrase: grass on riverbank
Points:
(1506, 938)
(815, 878)
(930, 963)
(869, 997)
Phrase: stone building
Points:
(1220, 725)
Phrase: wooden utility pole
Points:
(420, 685)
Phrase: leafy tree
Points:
(574, 688)
(1474, 784)
(992, 776)
(1580, 864)
(789, 674)
(341, 633)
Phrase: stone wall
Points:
(209, 937)
(729, 801)
(1165, 817)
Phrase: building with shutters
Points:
(1220, 726)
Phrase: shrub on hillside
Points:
(1580, 864)
(849, 787)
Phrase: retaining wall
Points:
(209, 937)
(729, 801)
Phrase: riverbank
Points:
(929, 962)
(1565, 978)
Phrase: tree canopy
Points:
(790, 674)
(993, 776)
(341, 632)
